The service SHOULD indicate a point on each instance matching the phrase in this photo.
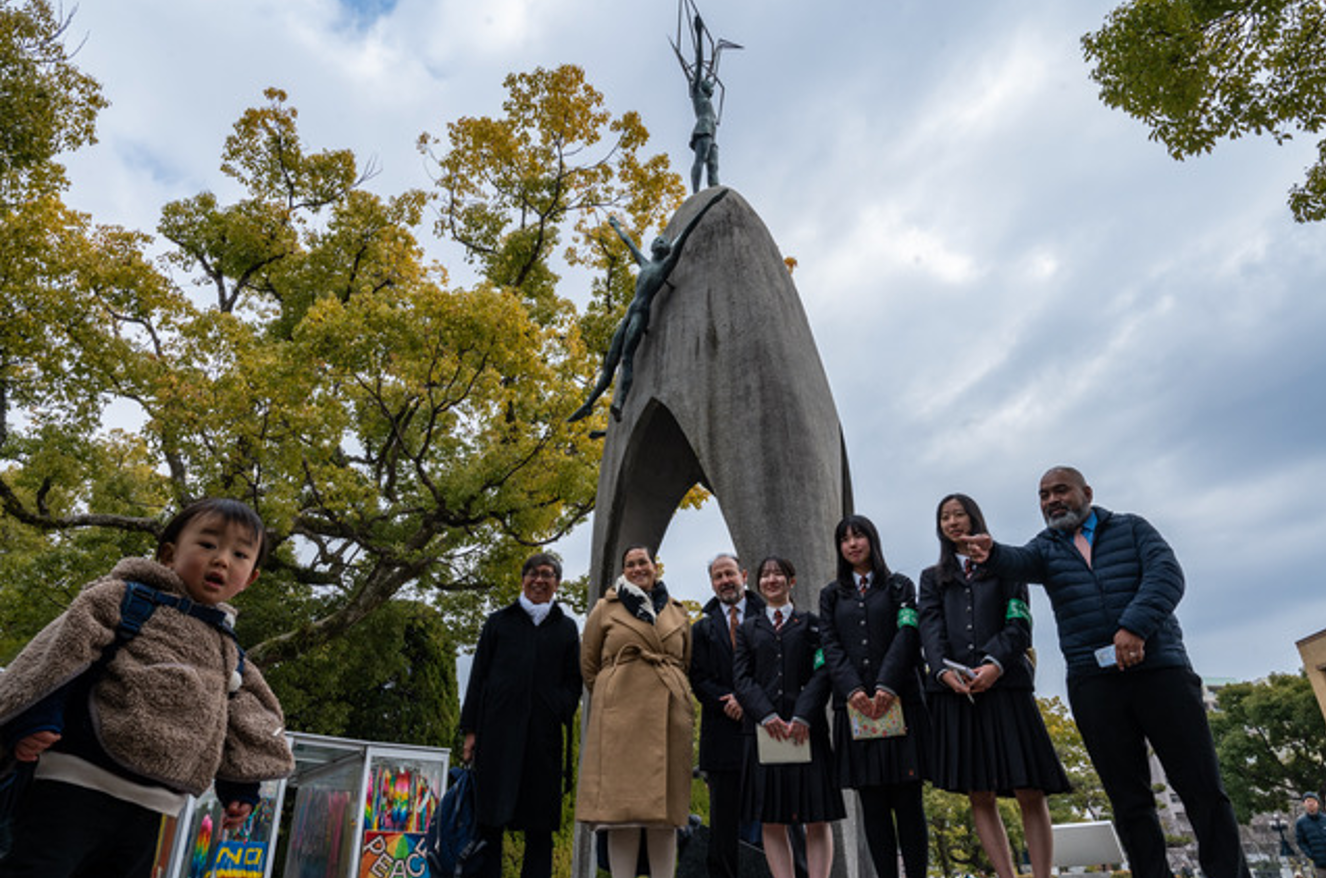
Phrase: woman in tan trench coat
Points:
(635, 767)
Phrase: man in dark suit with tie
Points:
(1114, 583)
(721, 743)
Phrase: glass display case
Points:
(402, 789)
(361, 810)
(322, 829)
(194, 845)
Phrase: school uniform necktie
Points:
(732, 625)
(778, 620)
(862, 584)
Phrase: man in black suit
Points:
(721, 743)
(523, 690)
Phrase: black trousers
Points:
(538, 853)
(66, 831)
(1117, 714)
(880, 807)
(724, 820)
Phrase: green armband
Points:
(907, 616)
(1017, 610)
(819, 659)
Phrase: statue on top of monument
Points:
(653, 274)
(706, 120)
(702, 77)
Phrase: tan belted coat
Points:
(635, 764)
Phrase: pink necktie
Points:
(778, 620)
(1083, 546)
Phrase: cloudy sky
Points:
(1001, 272)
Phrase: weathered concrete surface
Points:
(729, 392)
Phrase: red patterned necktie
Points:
(732, 625)
(863, 584)
(778, 620)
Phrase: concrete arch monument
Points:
(729, 392)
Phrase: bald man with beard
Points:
(1114, 583)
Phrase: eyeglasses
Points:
(542, 573)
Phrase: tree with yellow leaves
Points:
(402, 437)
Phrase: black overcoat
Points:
(721, 743)
(972, 620)
(524, 687)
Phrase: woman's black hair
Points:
(859, 524)
(784, 567)
(647, 550)
(633, 546)
(949, 568)
(231, 512)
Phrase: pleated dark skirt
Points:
(803, 793)
(871, 763)
(998, 743)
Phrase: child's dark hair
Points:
(231, 511)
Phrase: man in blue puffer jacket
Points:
(1114, 583)
(1310, 833)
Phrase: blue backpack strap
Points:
(140, 601)
(136, 607)
(204, 613)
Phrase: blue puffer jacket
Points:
(1310, 832)
(1134, 582)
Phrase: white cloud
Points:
(1035, 280)
(1001, 85)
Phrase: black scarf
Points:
(633, 599)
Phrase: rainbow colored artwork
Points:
(399, 799)
(202, 846)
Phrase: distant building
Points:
(1312, 649)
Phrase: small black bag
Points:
(453, 847)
